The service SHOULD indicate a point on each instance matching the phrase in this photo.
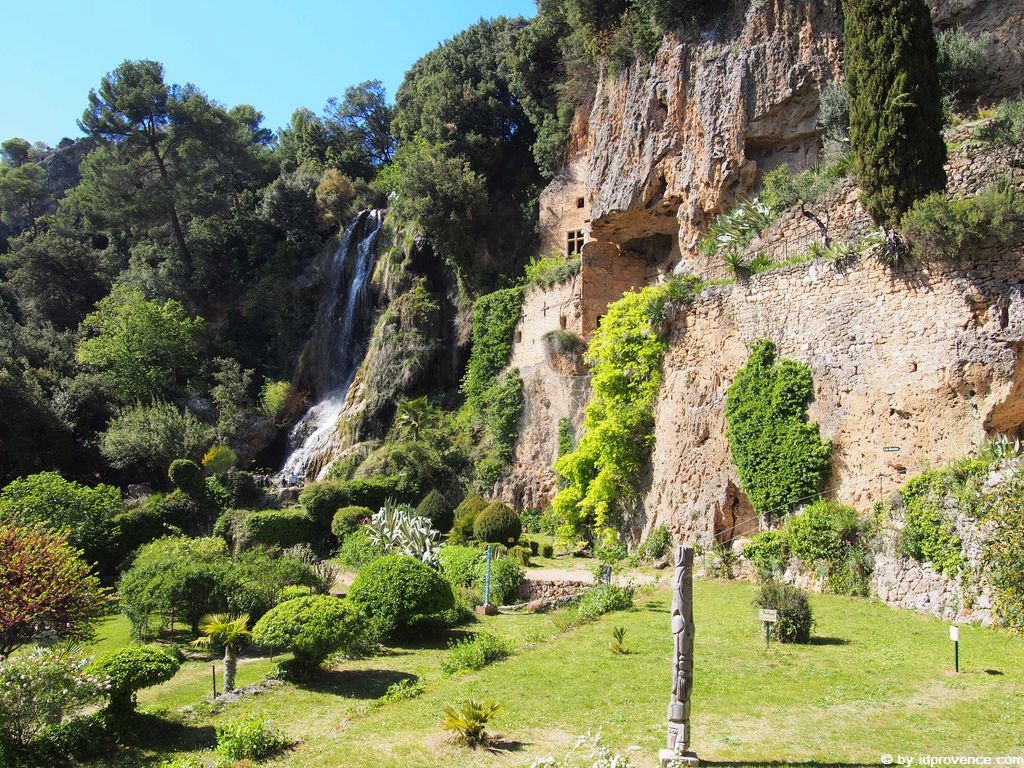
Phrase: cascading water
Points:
(335, 348)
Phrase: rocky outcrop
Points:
(670, 145)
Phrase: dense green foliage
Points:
(498, 523)
(358, 550)
(187, 477)
(938, 228)
(475, 652)
(248, 740)
(769, 552)
(87, 515)
(148, 437)
(47, 588)
(601, 599)
(821, 531)
(459, 565)
(313, 628)
(895, 104)
(795, 619)
(494, 319)
(1007, 127)
(436, 508)
(506, 576)
(625, 353)
(779, 455)
(347, 519)
(929, 533)
(130, 669)
(1003, 557)
(548, 271)
(399, 592)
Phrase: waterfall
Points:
(335, 348)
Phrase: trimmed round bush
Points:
(187, 477)
(436, 508)
(131, 669)
(347, 519)
(399, 592)
(498, 523)
(506, 576)
(522, 554)
(795, 619)
(313, 628)
(278, 528)
(547, 550)
(465, 516)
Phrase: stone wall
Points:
(926, 360)
(561, 212)
(544, 310)
(550, 589)
(606, 274)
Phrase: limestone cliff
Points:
(926, 361)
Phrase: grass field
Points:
(875, 680)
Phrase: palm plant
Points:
(232, 633)
(412, 414)
(469, 719)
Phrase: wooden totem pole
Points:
(678, 752)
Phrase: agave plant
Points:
(469, 719)
(397, 528)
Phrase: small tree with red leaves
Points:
(46, 588)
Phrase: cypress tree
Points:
(895, 104)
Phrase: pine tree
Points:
(895, 104)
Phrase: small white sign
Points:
(769, 615)
(954, 634)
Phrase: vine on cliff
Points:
(625, 355)
(780, 456)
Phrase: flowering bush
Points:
(42, 688)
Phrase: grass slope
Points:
(876, 680)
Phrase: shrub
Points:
(656, 545)
(408, 467)
(399, 591)
(41, 688)
(929, 534)
(322, 500)
(548, 271)
(291, 592)
(435, 507)
(940, 228)
(476, 652)
(834, 112)
(347, 520)
(152, 436)
(250, 739)
(530, 518)
(1003, 553)
(962, 60)
(469, 720)
(794, 611)
(601, 599)
(768, 552)
(220, 458)
(778, 453)
(403, 690)
(186, 476)
(465, 517)
(46, 590)
(85, 514)
(254, 582)
(522, 554)
(821, 532)
(547, 550)
(373, 492)
(498, 523)
(495, 316)
(1007, 127)
(506, 576)
(130, 669)
(313, 628)
(459, 564)
(277, 528)
(358, 550)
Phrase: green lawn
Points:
(876, 680)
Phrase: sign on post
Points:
(954, 635)
(768, 617)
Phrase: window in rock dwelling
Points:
(579, 202)
(574, 241)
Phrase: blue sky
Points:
(274, 55)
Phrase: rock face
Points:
(671, 145)
(1004, 21)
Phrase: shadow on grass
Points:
(166, 735)
(828, 641)
(355, 683)
(785, 764)
(499, 745)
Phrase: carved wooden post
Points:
(682, 663)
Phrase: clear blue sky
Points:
(274, 55)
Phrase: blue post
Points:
(487, 578)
